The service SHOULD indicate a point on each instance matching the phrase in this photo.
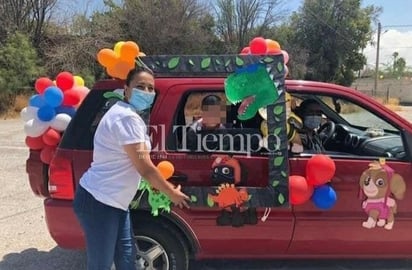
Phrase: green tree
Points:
(400, 66)
(333, 32)
(238, 21)
(167, 26)
(18, 68)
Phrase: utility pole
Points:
(375, 89)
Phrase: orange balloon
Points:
(120, 69)
(107, 57)
(272, 46)
(129, 50)
(166, 169)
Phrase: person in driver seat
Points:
(311, 113)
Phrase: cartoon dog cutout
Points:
(378, 183)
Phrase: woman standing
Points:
(121, 157)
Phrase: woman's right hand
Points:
(179, 198)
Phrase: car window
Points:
(356, 130)
(80, 132)
(217, 129)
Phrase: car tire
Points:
(160, 247)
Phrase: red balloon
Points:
(320, 169)
(65, 80)
(35, 143)
(300, 190)
(258, 45)
(71, 97)
(51, 137)
(42, 83)
(47, 154)
(245, 50)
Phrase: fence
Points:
(387, 88)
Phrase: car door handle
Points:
(181, 178)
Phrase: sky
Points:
(396, 34)
(396, 21)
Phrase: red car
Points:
(360, 131)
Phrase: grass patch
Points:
(390, 103)
(20, 102)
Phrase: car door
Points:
(270, 237)
(340, 230)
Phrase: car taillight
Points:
(61, 185)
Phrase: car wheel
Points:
(160, 248)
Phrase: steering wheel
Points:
(326, 132)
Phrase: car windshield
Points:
(360, 117)
(354, 114)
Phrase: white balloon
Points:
(60, 122)
(28, 113)
(35, 127)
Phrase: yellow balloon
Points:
(78, 81)
(118, 47)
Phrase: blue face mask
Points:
(312, 121)
(141, 100)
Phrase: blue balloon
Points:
(66, 109)
(37, 101)
(46, 113)
(53, 96)
(324, 197)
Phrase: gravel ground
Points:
(25, 243)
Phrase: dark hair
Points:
(211, 100)
(132, 73)
(304, 105)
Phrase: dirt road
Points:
(25, 243)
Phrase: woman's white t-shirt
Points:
(112, 178)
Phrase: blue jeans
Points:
(108, 232)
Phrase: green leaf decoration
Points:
(278, 110)
(210, 202)
(173, 62)
(218, 62)
(278, 161)
(191, 62)
(157, 63)
(280, 67)
(277, 119)
(277, 131)
(283, 173)
(193, 198)
(239, 61)
(110, 94)
(281, 198)
(268, 60)
(205, 63)
(227, 63)
(275, 183)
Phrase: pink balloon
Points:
(285, 56)
(258, 45)
(245, 50)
